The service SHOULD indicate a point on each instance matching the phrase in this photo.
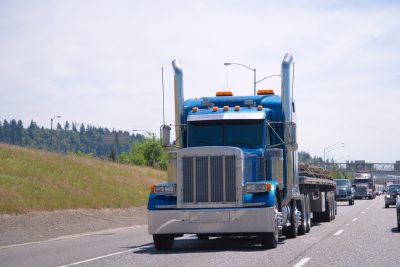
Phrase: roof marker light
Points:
(259, 107)
(237, 108)
(226, 108)
(224, 93)
(265, 92)
(215, 109)
(195, 109)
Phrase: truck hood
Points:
(362, 185)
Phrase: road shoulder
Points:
(38, 226)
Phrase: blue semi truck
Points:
(234, 169)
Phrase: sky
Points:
(99, 63)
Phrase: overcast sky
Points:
(99, 63)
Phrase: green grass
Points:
(33, 180)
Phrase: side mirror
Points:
(165, 135)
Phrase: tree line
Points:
(84, 139)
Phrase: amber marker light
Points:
(224, 93)
(226, 108)
(265, 92)
(267, 187)
(259, 107)
(195, 109)
(215, 109)
(152, 186)
(237, 108)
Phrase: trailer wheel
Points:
(327, 214)
(308, 221)
(163, 242)
(291, 231)
(270, 239)
(202, 237)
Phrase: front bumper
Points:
(211, 221)
(343, 197)
(390, 201)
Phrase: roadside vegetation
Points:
(33, 180)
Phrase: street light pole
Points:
(247, 67)
(328, 148)
(333, 149)
(51, 132)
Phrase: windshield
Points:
(342, 182)
(238, 133)
(394, 188)
(361, 181)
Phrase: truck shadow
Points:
(218, 244)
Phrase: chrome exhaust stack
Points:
(178, 86)
(286, 87)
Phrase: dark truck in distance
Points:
(364, 185)
(391, 194)
(344, 191)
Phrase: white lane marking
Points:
(338, 232)
(347, 224)
(302, 262)
(355, 219)
(97, 258)
(363, 212)
(107, 231)
(114, 254)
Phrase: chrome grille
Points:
(342, 192)
(209, 179)
(361, 190)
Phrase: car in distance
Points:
(391, 195)
(344, 191)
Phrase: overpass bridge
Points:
(382, 171)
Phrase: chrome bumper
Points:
(210, 221)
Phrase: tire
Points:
(202, 237)
(386, 206)
(270, 240)
(291, 231)
(398, 227)
(316, 217)
(301, 230)
(326, 215)
(163, 242)
(308, 221)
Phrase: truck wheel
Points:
(301, 230)
(163, 242)
(333, 204)
(316, 217)
(270, 240)
(386, 206)
(326, 215)
(291, 231)
(308, 221)
(202, 237)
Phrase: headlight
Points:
(257, 187)
(164, 189)
(388, 196)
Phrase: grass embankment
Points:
(32, 180)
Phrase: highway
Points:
(361, 235)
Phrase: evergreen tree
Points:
(1, 132)
(66, 126)
(13, 132)
(19, 133)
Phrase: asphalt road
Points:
(361, 235)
